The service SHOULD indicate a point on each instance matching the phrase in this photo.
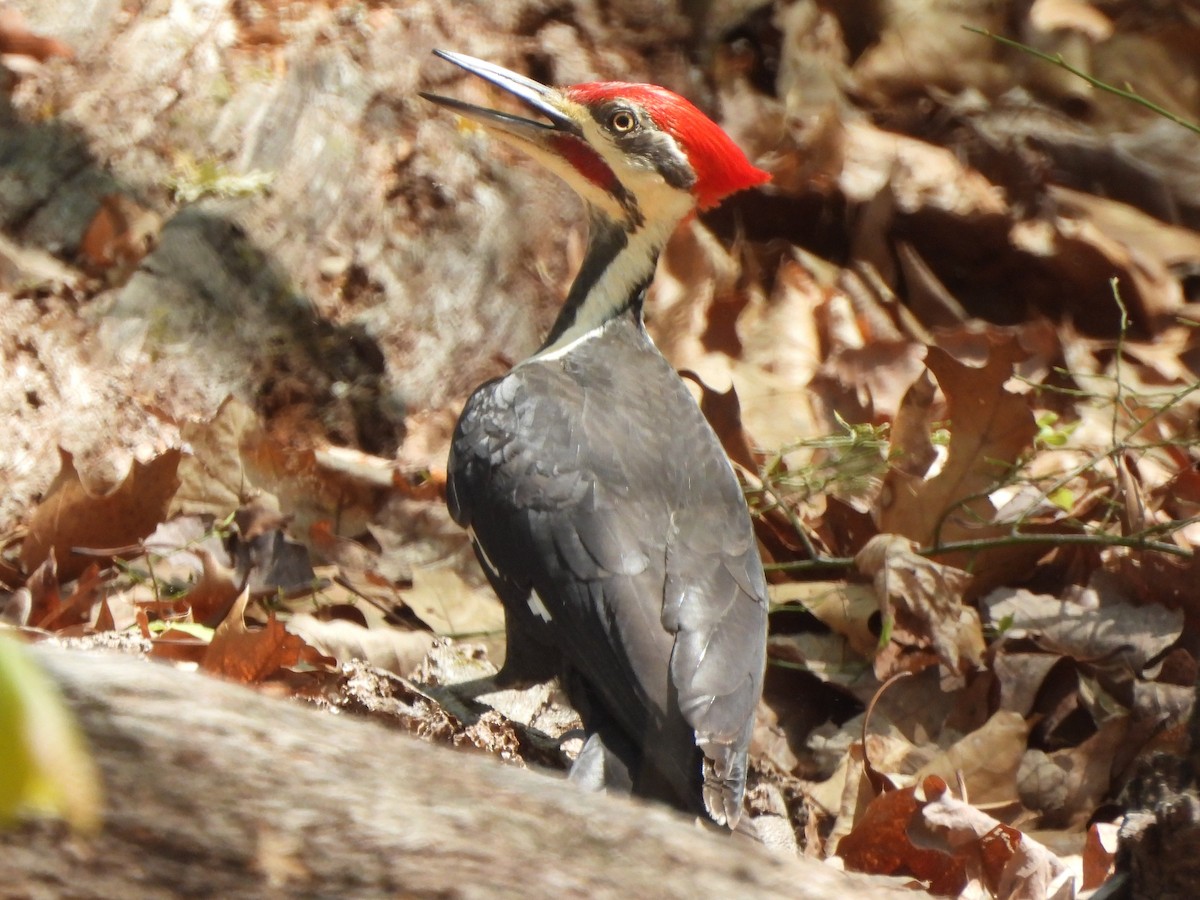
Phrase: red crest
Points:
(720, 165)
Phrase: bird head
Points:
(638, 153)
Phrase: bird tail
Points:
(724, 781)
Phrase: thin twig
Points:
(816, 564)
(1119, 396)
(1134, 541)
(1056, 59)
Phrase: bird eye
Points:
(622, 121)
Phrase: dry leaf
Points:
(390, 649)
(1099, 854)
(1021, 676)
(923, 602)
(250, 655)
(178, 645)
(77, 608)
(828, 656)
(1013, 865)
(215, 592)
(724, 413)
(1135, 634)
(119, 235)
(450, 606)
(987, 759)
(867, 384)
(1067, 785)
(989, 429)
(879, 844)
(845, 608)
(73, 516)
(45, 597)
(912, 450)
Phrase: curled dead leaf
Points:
(923, 602)
(251, 655)
(879, 844)
(1012, 865)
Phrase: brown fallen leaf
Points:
(845, 608)
(867, 383)
(45, 596)
(1144, 252)
(77, 608)
(72, 516)
(989, 429)
(177, 645)
(1099, 854)
(1067, 785)
(17, 40)
(250, 655)
(391, 649)
(104, 618)
(912, 450)
(1104, 632)
(1012, 865)
(119, 235)
(724, 413)
(923, 602)
(451, 607)
(1020, 676)
(215, 592)
(879, 844)
(827, 656)
(927, 45)
(986, 760)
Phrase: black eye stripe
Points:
(649, 145)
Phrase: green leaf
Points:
(45, 768)
(1064, 498)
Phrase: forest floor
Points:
(248, 277)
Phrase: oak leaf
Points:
(71, 515)
(990, 428)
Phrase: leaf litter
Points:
(964, 408)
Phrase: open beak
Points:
(545, 101)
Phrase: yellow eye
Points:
(622, 121)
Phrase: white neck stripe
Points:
(558, 349)
(631, 268)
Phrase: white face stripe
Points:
(665, 207)
(662, 206)
(639, 176)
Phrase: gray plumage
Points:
(601, 505)
(593, 485)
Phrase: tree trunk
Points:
(216, 790)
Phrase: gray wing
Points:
(644, 565)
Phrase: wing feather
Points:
(644, 558)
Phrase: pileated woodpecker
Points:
(599, 501)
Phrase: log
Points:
(213, 789)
